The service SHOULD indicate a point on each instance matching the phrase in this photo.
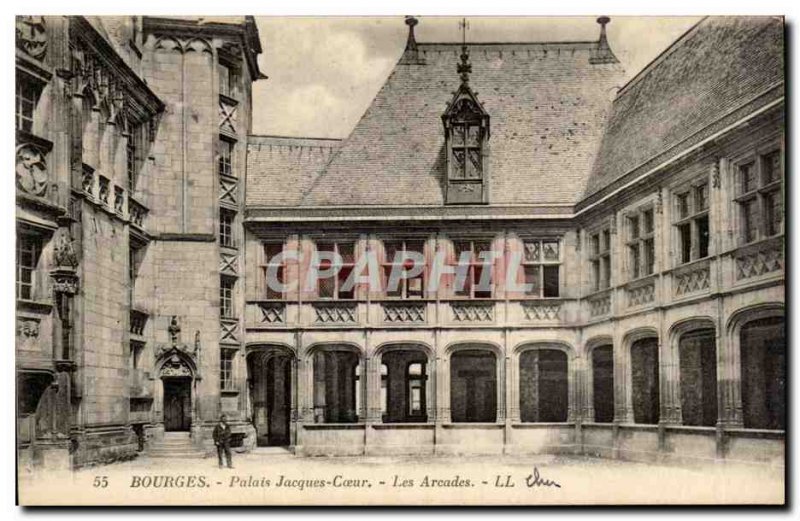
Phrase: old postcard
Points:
(400, 260)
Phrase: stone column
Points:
(623, 410)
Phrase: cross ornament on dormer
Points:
(464, 68)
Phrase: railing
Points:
(758, 259)
(138, 213)
(404, 312)
(599, 304)
(691, 278)
(640, 292)
(138, 322)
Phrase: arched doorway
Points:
(177, 370)
(270, 372)
(177, 403)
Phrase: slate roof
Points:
(691, 90)
(280, 170)
(547, 104)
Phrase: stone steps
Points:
(175, 445)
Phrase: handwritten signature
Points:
(535, 480)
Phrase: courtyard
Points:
(274, 477)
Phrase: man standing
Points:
(222, 439)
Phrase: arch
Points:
(469, 398)
(545, 384)
(255, 347)
(639, 333)
(558, 345)
(397, 388)
(168, 43)
(176, 356)
(403, 346)
(596, 341)
(686, 325)
(328, 345)
(694, 356)
(753, 312)
(197, 45)
(644, 375)
(757, 398)
(470, 345)
(271, 397)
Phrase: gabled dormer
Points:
(466, 128)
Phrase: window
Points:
(400, 255)
(691, 223)
(29, 247)
(132, 159)
(344, 255)
(603, 384)
(474, 264)
(641, 244)
(763, 351)
(416, 389)
(466, 130)
(644, 379)
(135, 255)
(466, 150)
(384, 391)
(27, 98)
(226, 219)
(225, 162)
(541, 265)
(698, 369)
(760, 197)
(226, 369)
(226, 285)
(543, 386)
(227, 80)
(473, 386)
(601, 259)
(274, 265)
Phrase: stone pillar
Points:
(669, 382)
(431, 378)
(729, 377)
(623, 410)
(513, 393)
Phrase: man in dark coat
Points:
(222, 439)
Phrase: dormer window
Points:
(467, 136)
(466, 126)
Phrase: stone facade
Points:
(635, 350)
(654, 329)
(118, 191)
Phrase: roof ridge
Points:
(275, 136)
(551, 42)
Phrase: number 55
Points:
(100, 482)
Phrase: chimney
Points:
(603, 53)
(411, 54)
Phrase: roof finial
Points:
(603, 20)
(603, 52)
(411, 54)
(464, 68)
(411, 43)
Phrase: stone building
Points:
(644, 320)
(648, 218)
(131, 142)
